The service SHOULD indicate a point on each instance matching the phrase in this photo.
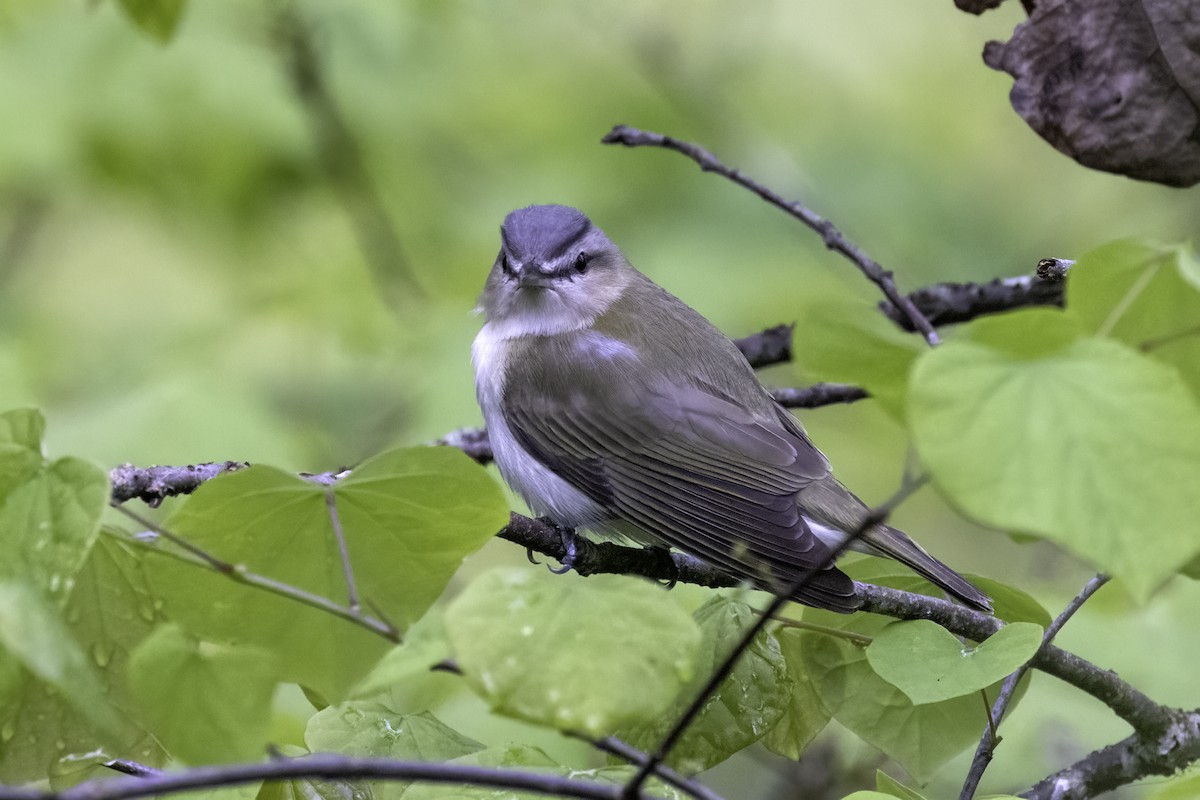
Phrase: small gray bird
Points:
(612, 406)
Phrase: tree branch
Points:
(328, 766)
(946, 303)
(1127, 761)
(771, 346)
(833, 238)
(155, 484)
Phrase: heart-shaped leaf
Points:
(928, 664)
(572, 654)
(1084, 441)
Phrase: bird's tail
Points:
(891, 543)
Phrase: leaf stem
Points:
(239, 574)
(860, 639)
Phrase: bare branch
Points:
(946, 303)
(833, 238)
(987, 744)
(323, 765)
(819, 394)
(1129, 760)
(154, 484)
(771, 346)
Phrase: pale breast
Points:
(544, 492)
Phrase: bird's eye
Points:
(581, 263)
(504, 265)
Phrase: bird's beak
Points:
(529, 276)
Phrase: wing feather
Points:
(711, 476)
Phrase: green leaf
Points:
(1010, 603)
(523, 757)
(206, 704)
(886, 783)
(34, 636)
(159, 18)
(108, 611)
(424, 645)
(371, 730)
(806, 714)
(853, 343)
(410, 517)
(1085, 442)
(929, 664)
(310, 788)
(867, 794)
(20, 447)
(1145, 295)
(748, 704)
(922, 738)
(49, 512)
(50, 522)
(588, 655)
(1182, 788)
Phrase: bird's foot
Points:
(567, 536)
(663, 554)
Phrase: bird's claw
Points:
(568, 560)
(664, 554)
(529, 555)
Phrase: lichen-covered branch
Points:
(946, 303)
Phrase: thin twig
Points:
(336, 522)
(947, 303)
(327, 766)
(630, 754)
(817, 395)
(989, 740)
(767, 347)
(782, 597)
(201, 558)
(833, 238)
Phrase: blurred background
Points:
(262, 239)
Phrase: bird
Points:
(614, 407)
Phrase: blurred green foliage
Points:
(181, 279)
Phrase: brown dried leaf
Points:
(1114, 84)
